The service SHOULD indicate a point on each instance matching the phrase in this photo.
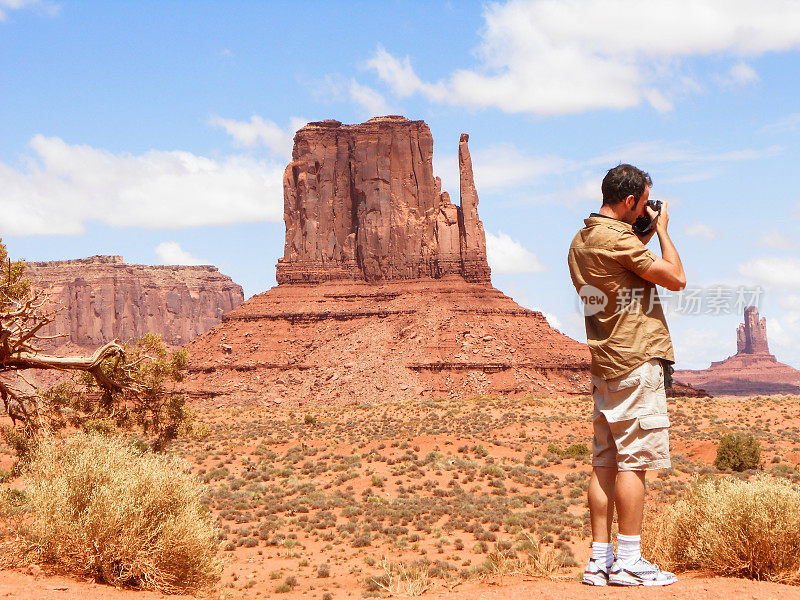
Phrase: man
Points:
(616, 276)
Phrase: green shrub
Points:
(287, 586)
(554, 449)
(730, 527)
(100, 508)
(573, 451)
(576, 451)
(738, 452)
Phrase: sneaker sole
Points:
(592, 579)
(645, 582)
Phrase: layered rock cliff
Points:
(752, 370)
(104, 299)
(361, 203)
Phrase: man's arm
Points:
(666, 271)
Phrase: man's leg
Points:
(630, 491)
(601, 502)
(629, 499)
(601, 509)
(630, 568)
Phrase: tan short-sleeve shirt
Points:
(606, 260)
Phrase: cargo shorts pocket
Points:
(653, 439)
(653, 375)
(648, 422)
(624, 384)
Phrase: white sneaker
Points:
(639, 572)
(595, 574)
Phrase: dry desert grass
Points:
(421, 497)
(97, 507)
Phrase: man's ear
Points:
(630, 202)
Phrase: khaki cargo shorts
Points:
(631, 426)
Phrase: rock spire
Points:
(751, 336)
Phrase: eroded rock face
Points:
(361, 203)
(348, 341)
(106, 299)
(751, 336)
(752, 370)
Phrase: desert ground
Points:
(466, 498)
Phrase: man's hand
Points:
(661, 222)
(663, 219)
(666, 271)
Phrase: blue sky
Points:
(160, 131)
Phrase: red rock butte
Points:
(384, 289)
(103, 298)
(752, 370)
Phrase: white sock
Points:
(603, 554)
(629, 548)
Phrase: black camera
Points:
(644, 224)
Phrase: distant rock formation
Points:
(751, 336)
(384, 290)
(682, 390)
(361, 203)
(752, 370)
(104, 299)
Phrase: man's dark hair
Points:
(623, 181)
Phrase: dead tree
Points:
(121, 383)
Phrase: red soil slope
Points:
(346, 341)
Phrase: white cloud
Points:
(507, 255)
(260, 132)
(659, 152)
(587, 190)
(691, 177)
(783, 331)
(369, 99)
(738, 75)
(780, 241)
(696, 348)
(171, 253)
(501, 167)
(537, 57)
(778, 272)
(62, 186)
(788, 123)
(700, 230)
(401, 78)
(552, 320)
(789, 302)
(42, 7)
(505, 167)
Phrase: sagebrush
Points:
(101, 508)
(738, 452)
(730, 527)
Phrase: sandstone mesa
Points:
(384, 288)
(103, 299)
